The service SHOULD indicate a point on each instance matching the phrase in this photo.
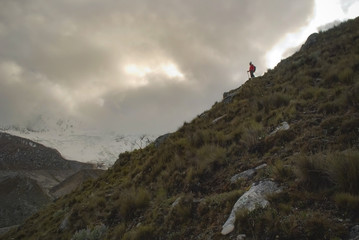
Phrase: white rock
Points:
(227, 229)
(282, 127)
(261, 166)
(246, 174)
(241, 237)
(250, 200)
(219, 118)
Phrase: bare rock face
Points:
(311, 40)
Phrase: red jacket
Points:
(251, 68)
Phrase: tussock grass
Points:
(313, 172)
(348, 202)
(339, 169)
(141, 233)
(344, 169)
(132, 200)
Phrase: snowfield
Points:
(101, 148)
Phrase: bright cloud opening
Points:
(171, 71)
(326, 11)
(141, 73)
(137, 71)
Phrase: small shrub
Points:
(96, 233)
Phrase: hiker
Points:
(252, 69)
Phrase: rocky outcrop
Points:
(161, 139)
(228, 96)
(311, 40)
(255, 197)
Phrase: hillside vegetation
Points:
(180, 186)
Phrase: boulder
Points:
(255, 197)
(282, 127)
(247, 174)
(354, 233)
(161, 139)
(243, 175)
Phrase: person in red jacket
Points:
(252, 69)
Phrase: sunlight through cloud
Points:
(142, 74)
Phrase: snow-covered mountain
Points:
(94, 146)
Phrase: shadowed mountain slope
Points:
(299, 122)
(27, 172)
(18, 153)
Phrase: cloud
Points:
(74, 58)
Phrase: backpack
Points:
(254, 67)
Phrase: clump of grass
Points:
(346, 75)
(281, 172)
(132, 200)
(335, 169)
(344, 169)
(97, 233)
(117, 232)
(348, 202)
(145, 232)
(308, 94)
(274, 101)
(181, 210)
(208, 157)
(316, 225)
(331, 79)
(276, 224)
(353, 95)
(313, 171)
(219, 202)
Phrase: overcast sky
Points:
(143, 66)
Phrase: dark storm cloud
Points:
(68, 57)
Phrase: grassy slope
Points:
(316, 161)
